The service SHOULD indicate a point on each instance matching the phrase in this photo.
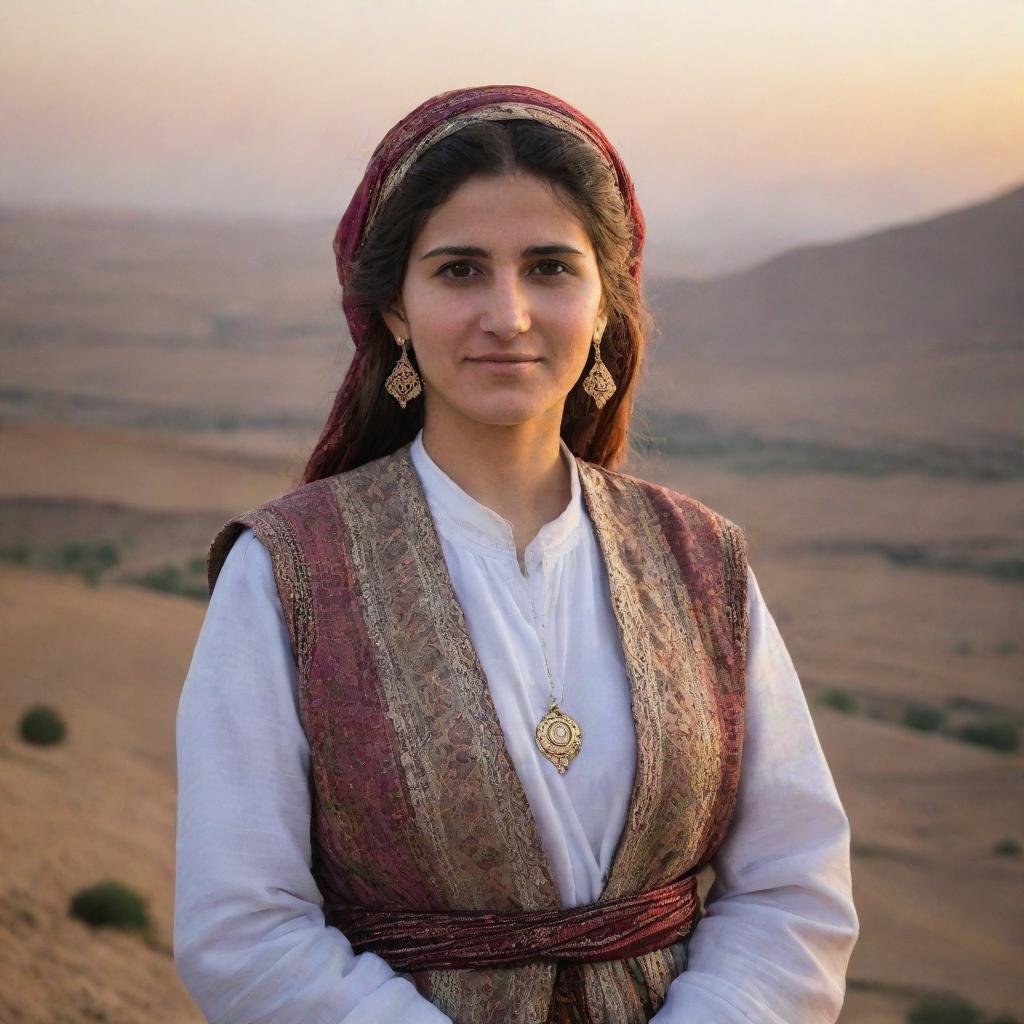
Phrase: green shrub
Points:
(110, 904)
(963, 647)
(87, 559)
(997, 733)
(104, 556)
(943, 1009)
(42, 726)
(923, 717)
(838, 699)
(166, 578)
(907, 554)
(1006, 848)
(170, 579)
(17, 553)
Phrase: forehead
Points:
(509, 209)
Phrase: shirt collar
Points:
(461, 518)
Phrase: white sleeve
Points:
(780, 923)
(250, 940)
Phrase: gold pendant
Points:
(559, 737)
(599, 383)
(403, 382)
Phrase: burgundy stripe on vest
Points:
(447, 940)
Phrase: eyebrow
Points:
(472, 250)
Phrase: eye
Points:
(449, 266)
(554, 263)
(556, 269)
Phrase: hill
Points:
(912, 333)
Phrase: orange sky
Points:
(746, 125)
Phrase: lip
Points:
(505, 367)
(501, 358)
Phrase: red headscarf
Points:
(431, 121)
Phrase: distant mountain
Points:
(953, 280)
(915, 334)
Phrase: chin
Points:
(508, 413)
(501, 419)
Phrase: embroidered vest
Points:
(415, 799)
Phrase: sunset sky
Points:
(746, 126)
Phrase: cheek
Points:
(580, 313)
(577, 328)
(433, 320)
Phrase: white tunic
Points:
(250, 941)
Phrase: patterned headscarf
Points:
(431, 121)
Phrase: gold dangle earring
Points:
(403, 382)
(599, 383)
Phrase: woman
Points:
(470, 709)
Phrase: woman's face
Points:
(501, 299)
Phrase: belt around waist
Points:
(453, 939)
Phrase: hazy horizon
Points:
(747, 131)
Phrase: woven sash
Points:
(611, 930)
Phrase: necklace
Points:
(559, 735)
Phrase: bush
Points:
(110, 904)
(838, 699)
(997, 733)
(923, 717)
(17, 553)
(89, 560)
(42, 726)
(943, 1009)
(1006, 848)
(169, 579)
(950, 1009)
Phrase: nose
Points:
(507, 313)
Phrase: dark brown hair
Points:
(373, 424)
